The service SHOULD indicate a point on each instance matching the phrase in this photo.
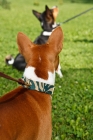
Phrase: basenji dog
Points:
(48, 23)
(25, 112)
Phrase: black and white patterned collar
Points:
(39, 86)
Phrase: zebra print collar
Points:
(39, 86)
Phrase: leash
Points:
(19, 81)
(76, 16)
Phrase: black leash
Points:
(76, 16)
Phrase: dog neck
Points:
(48, 33)
(35, 83)
(29, 73)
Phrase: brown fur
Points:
(26, 114)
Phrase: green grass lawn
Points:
(72, 101)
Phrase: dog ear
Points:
(46, 8)
(24, 45)
(37, 14)
(55, 41)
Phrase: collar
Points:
(39, 86)
(47, 33)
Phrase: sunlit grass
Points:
(72, 100)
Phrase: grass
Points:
(72, 101)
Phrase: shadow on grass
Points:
(5, 4)
(82, 1)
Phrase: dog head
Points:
(47, 18)
(41, 59)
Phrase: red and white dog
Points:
(25, 112)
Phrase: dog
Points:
(25, 112)
(48, 24)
